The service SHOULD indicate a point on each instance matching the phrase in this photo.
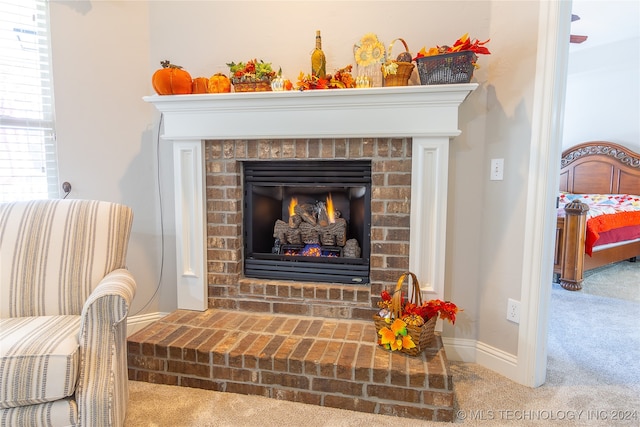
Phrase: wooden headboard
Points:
(600, 167)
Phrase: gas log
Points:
(306, 212)
(311, 224)
(304, 232)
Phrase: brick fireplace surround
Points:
(390, 220)
(306, 342)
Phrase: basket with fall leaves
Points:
(408, 326)
(450, 64)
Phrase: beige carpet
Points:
(484, 398)
(572, 395)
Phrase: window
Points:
(28, 166)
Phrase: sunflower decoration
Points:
(369, 51)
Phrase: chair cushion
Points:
(39, 358)
(62, 412)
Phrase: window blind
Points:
(28, 162)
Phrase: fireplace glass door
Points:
(307, 220)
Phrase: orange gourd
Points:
(219, 83)
(200, 85)
(171, 80)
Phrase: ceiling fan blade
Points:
(577, 39)
(574, 17)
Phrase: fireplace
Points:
(265, 126)
(307, 220)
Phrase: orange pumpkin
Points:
(200, 85)
(171, 80)
(219, 83)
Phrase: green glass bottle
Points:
(318, 60)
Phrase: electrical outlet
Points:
(497, 170)
(513, 311)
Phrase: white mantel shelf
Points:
(427, 114)
(402, 111)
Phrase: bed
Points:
(592, 231)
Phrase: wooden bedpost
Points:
(574, 235)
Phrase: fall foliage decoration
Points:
(404, 325)
(464, 43)
(251, 71)
(171, 80)
(341, 79)
(252, 76)
(311, 81)
(395, 337)
(450, 64)
(428, 309)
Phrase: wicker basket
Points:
(403, 74)
(448, 68)
(421, 335)
(251, 86)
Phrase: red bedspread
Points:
(608, 222)
(606, 212)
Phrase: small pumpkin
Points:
(219, 83)
(277, 84)
(171, 80)
(200, 85)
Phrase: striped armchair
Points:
(64, 300)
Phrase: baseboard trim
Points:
(472, 351)
(461, 350)
(136, 323)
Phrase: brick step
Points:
(313, 360)
(335, 301)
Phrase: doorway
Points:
(546, 147)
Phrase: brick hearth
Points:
(306, 359)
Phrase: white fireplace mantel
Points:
(427, 114)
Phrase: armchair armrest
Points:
(102, 391)
(111, 297)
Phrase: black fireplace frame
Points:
(330, 174)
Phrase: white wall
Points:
(603, 84)
(486, 227)
(106, 141)
(106, 51)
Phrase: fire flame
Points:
(312, 250)
(292, 204)
(331, 213)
